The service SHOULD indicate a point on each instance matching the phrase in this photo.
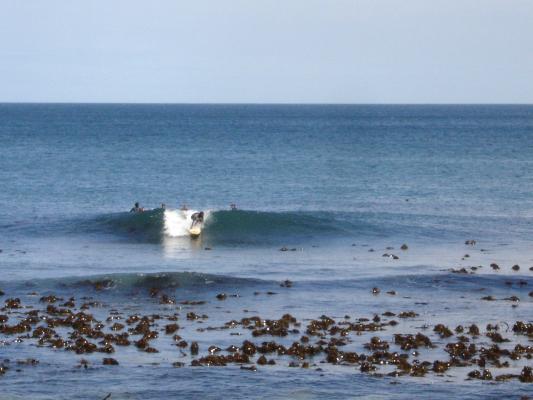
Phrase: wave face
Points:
(229, 227)
(123, 284)
(241, 227)
(248, 227)
(264, 227)
(161, 280)
(147, 225)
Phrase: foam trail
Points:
(178, 222)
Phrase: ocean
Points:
(352, 230)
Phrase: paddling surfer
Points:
(136, 208)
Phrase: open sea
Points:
(311, 261)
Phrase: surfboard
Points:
(195, 231)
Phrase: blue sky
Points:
(264, 51)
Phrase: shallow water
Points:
(337, 186)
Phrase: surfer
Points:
(233, 206)
(197, 218)
(136, 208)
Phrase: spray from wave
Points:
(176, 223)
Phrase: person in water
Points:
(136, 208)
(197, 218)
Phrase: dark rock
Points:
(526, 375)
(486, 375)
(194, 348)
(166, 299)
(248, 348)
(49, 299)
(117, 326)
(376, 344)
(408, 342)
(460, 349)
(28, 361)
(496, 337)
(512, 298)
(505, 377)
(13, 303)
(440, 366)
(443, 331)
(262, 360)
(213, 349)
(366, 367)
(459, 271)
(407, 314)
(473, 330)
(171, 328)
(151, 350)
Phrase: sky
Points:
(267, 51)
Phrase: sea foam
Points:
(178, 222)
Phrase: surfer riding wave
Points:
(197, 219)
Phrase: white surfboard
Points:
(195, 231)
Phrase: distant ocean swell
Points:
(125, 283)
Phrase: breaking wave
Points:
(237, 226)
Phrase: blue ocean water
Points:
(337, 186)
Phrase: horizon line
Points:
(260, 103)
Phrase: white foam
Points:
(178, 222)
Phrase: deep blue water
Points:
(331, 182)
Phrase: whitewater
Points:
(178, 222)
